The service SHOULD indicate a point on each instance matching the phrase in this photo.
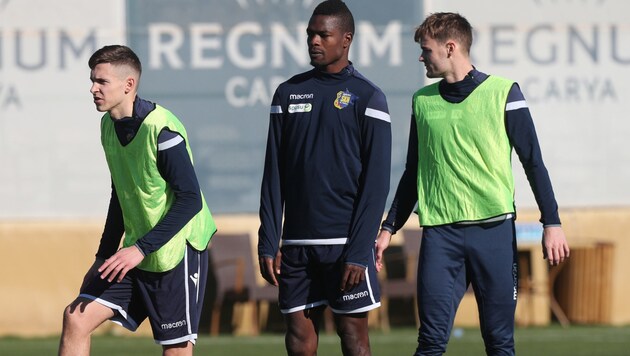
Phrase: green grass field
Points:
(554, 340)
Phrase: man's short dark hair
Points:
(116, 55)
(338, 9)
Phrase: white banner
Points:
(572, 61)
(51, 161)
(216, 64)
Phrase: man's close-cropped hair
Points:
(337, 8)
(442, 26)
(116, 55)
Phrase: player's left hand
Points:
(352, 276)
(123, 261)
(554, 244)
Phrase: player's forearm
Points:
(183, 209)
(113, 230)
(271, 199)
(270, 219)
(407, 191)
(522, 134)
(372, 197)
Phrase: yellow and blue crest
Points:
(344, 98)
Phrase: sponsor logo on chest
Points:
(301, 96)
(300, 107)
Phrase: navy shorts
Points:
(171, 300)
(310, 276)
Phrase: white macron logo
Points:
(362, 294)
(195, 278)
(301, 96)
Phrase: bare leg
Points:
(80, 319)
(182, 349)
(303, 331)
(353, 331)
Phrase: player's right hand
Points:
(381, 244)
(123, 261)
(270, 268)
(554, 245)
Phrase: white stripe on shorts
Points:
(303, 307)
(123, 319)
(187, 290)
(192, 338)
(360, 310)
(374, 304)
(369, 285)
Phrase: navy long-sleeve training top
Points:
(521, 133)
(327, 164)
(175, 166)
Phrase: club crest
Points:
(344, 98)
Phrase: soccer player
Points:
(327, 169)
(161, 270)
(458, 170)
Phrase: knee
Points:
(300, 344)
(432, 341)
(75, 319)
(348, 333)
(71, 318)
(498, 343)
(177, 349)
(498, 335)
(353, 332)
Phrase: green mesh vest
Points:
(464, 155)
(144, 195)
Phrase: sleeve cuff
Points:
(356, 264)
(388, 227)
(141, 251)
(552, 225)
